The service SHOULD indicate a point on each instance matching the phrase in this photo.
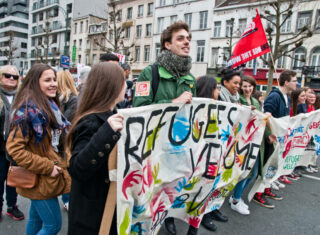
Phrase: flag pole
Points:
(275, 68)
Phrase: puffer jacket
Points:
(40, 159)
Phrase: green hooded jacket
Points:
(169, 88)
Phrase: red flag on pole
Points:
(252, 44)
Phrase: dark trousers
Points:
(11, 194)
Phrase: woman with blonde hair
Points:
(67, 94)
(9, 85)
(94, 133)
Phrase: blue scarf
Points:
(33, 121)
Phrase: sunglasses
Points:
(8, 75)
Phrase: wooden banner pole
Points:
(110, 206)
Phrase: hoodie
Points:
(276, 105)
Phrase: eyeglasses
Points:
(8, 75)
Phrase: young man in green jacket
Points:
(175, 84)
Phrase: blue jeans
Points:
(240, 187)
(44, 217)
(11, 195)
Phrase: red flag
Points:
(252, 44)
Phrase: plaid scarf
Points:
(33, 121)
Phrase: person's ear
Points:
(167, 45)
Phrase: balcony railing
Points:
(39, 5)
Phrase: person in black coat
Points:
(93, 135)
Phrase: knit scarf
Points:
(225, 95)
(176, 65)
(33, 121)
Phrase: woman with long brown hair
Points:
(95, 131)
(36, 125)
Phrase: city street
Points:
(297, 213)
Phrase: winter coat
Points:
(92, 141)
(276, 105)
(40, 159)
(69, 107)
(169, 88)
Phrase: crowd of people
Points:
(65, 134)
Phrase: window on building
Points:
(34, 18)
(271, 25)
(80, 44)
(266, 58)
(129, 13)
(226, 55)
(23, 55)
(162, 3)
(173, 19)
(157, 49)
(304, 19)
(137, 54)
(217, 29)
(315, 57)
(81, 27)
(39, 41)
(160, 24)
(40, 16)
(79, 59)
(214, 57)
(281, 62)
(148, 30)
(87, 59)
(146, 53)
(176, 1)
(102, 43)
(200, 50)
(69, 8)
(150, 9)
(75, 42)
(88, 44)
(23, 45)
(203, 19)
(242, 26)
(54, 38)
(299, 57)
(127, 30)
(75, 28)
(94, 58)
(317, 23)
(56, 12)
(33, 42)
(286, 27)
(119, 18)
(188, 19)
(140, 11)
(139, 31)
(229, 26)
(87, 25)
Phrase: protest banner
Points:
(298, 145)
(182, 160)
(252, 44)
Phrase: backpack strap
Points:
(155, 80)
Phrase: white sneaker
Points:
(240, 208)
(274, 186)
(66, 206)
(241, 201)
(280, 185)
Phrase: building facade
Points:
(14, 33)
(83, 30)
(49, 30)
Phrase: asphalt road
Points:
(297, 213)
